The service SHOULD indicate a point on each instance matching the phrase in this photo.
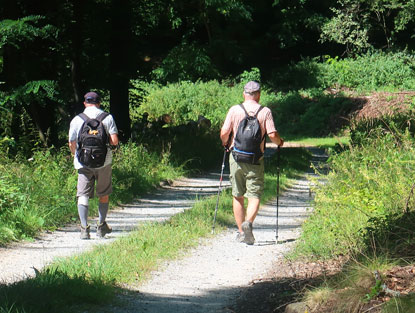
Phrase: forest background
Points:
(170, 68)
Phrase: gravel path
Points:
(19, 261)
(211, 277)
(208, 279)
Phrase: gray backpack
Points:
(248, 139)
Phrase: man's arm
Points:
(72, 146)
(114, 139)
(224, 136)
(275, 138)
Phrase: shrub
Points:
(310, 112)
(367, 183)
(185, 101)
(185, 62)
(307, 73)
(398, 122)
(372, 71)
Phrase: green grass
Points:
(362, 204)
(322, 142)
(405, 304)
(103, 270)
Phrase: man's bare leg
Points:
(239, 211)
(252, 209)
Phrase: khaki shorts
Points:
(87, 178)
(247, 179)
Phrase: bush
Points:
(185, 62)
(376, 70)
(372, 71)
(305, 74)
(364, 130)
(311, 113)
(185, 101)
(367, 183)
(36, 194)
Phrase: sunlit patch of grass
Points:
(319, 296)
(322, 142)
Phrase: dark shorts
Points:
(247, 179)
(87, 177)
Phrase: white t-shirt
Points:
(76, 124)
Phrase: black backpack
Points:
(92, 141)
(248, 139)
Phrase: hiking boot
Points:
(240, 237)
(103, 229)
(249, 237)
(85, 232)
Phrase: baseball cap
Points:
(252, 87)
(92, 97)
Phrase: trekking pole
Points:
(219, 190)
(278, 189)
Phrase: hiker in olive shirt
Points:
(87, 176)
(248, 179)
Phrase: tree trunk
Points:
(120, 51)
(76, 48)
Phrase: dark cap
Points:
(92, 97)
(252, 87)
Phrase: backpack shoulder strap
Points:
(84, 116)
(102, 116)
(243, 108)
(260, 108)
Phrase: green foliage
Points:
(136, 171)
(36, 194)
(365, 184)
(348, 27)
(254, 74)
(361, 24)
(375, 70)
(310, 112)
(185, 62)
(186, 101)
(364, 130)
(372, 71)
(14, 32)
(305, 74)
(17, 102)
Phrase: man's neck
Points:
(91, 105)
(250, 101)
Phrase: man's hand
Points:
(114, 148)
(275, 138)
